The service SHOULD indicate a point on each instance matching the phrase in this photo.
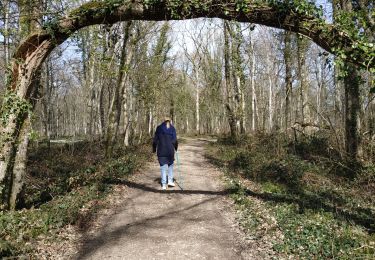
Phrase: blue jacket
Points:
(165, 141)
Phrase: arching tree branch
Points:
(328, 36)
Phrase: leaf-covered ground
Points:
(311, 206)
(66, 185)
(141, 221)
(291, 200)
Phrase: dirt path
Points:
(197, 223)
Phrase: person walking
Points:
(165, 143)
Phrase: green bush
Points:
(308, 147)
(288, 171)
(243, 160)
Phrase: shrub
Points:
(287, 171)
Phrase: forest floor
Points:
(255, 199)
(141, 221)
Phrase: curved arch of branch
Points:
(325, 35)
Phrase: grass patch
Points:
(320, 213)
(64, 186)
(251, 217)
(314, 235)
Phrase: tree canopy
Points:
(297, 16)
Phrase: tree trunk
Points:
(253, 93)
(288, 78)
(127, 108)
(228, 85)
(238, 76)
(30, 21)
(91, 87)
(115, 107)
(150, 120)
(303, 91)
(270, 104)
(197, 105)
(352, 109)
(6, 36)
(371, 118)
(352, 81)
(19, 171)
(12, 125)
(46, 100)
(101, 111)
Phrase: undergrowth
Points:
(320, 212)
(64, 184)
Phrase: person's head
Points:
(167, 120)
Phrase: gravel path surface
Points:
(197, 223)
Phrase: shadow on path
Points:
(146, 217)
(94, 244)
(149, 189)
